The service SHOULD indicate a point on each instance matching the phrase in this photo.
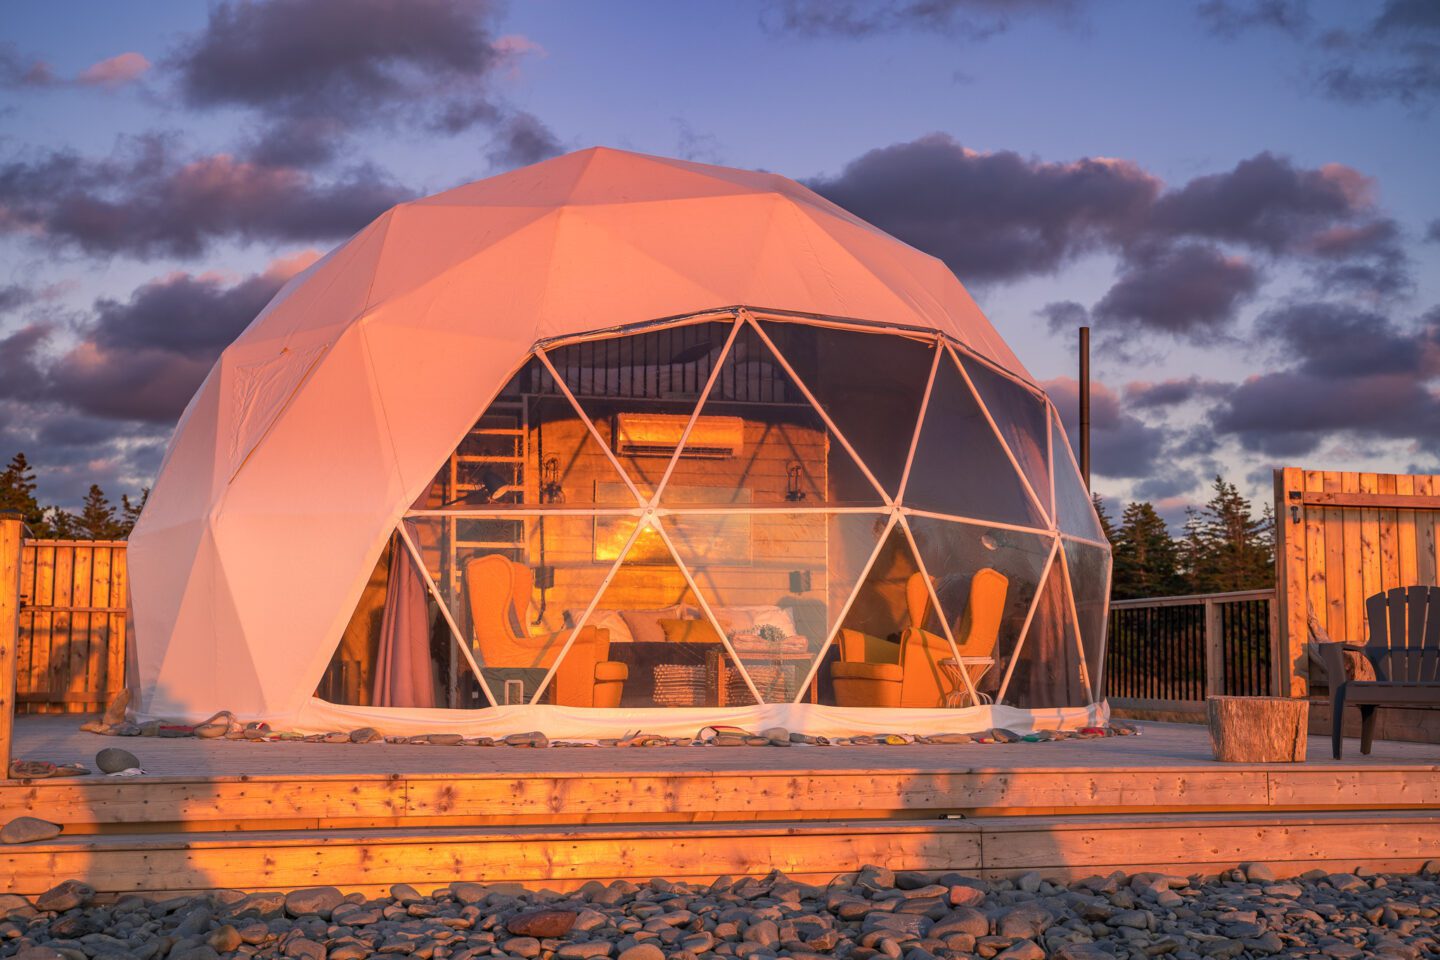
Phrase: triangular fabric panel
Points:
(986, 579)
(649, 627)
(640, 390)
(1047, 670)
(758, 441)
(777, 584)
(960, 467)
(1074, 513)
(871, 386)
(530, 448)
(1021, 417)
(1089, 569)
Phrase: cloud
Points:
(115, 72)
(20, 372)
(1064, 315)
(1266, 202)
(21, 72)
(1186, 290)
(146, 200)
(18, 72)
(1351, 370)
(520, 140)
(324, 68)
(1122, 445)
(13, 295)
(1432, 231)
(1174, 392)
(1230, 18)
(998, 216)
(972, 19)
(1394, 56)
(992, 216)
(141, 359)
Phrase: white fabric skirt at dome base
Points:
(580, 723)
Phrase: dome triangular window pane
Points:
(758, 441)
(777, 584)
(870, 385)
(640, 390)
(529, 448)
(1021, 417)
(649, 626)
(1074, 512)
(1089, 569)
(986, 579)
(1048, 670)
(960, 467)
(516, 585)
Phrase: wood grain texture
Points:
(1359, 534)
(564, 858)
(1258, 729)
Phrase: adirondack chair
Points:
(1404, 651)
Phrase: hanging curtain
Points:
(402, 668)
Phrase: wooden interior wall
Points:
(71, 650)
(777, 545)
(1358, 534)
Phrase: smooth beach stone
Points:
(29, 830)
(113, 760)
(542, 923)
(364, 735)
(319, 901)
(65, 896)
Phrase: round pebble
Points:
(113, 760)
(875, 913)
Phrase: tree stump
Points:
(1258, 729)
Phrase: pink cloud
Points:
(115, 72)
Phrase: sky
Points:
(1238, 196)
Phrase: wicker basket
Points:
(681, 685)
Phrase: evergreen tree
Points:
(130, 511)
(17, 493)
(1147, 560)
(1232, 550)
(97, 518)
(1106, 524)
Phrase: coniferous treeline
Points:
(98, 518)
(1224, 547)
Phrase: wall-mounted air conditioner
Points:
(658, 434)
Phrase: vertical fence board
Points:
(41, 637)
(1389, 520)
(60, 626)
(71, 648)
(77, 674)
(1353, 523)
(1425, 556)
(118, 630)
(1406, 548)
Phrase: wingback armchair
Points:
(876, 672)
(498, 590)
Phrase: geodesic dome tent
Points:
(617, 442)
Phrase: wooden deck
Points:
(275, 815)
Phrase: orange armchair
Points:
(499, 596)
(873, 672)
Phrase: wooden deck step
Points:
(564, 858)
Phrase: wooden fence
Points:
(70, 655)
(1169, 653)
(1340, 538)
